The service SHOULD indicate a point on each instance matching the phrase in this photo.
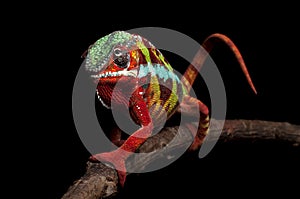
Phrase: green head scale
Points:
(100, 52)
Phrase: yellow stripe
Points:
(171, 101)
(154, 81)
(144, 50)
(154, 53)
(205, 123)
(155, 88)
(161, 57)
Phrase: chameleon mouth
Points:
(127, 73)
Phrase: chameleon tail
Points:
(192, 71)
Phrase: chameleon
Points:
(154, 89)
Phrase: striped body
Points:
(156, 82)
(164, 90)
(129, 71)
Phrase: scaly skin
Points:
(149, 88)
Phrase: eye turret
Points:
(121, 58)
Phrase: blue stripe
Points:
(161, 71)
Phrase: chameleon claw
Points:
(114, 158)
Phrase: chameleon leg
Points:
(191, 106)
(188, 105)
(118, 157)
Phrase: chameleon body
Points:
(150, 89)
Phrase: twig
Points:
(101, 181)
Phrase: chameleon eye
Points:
(121, 58)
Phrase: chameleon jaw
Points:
(127, 73)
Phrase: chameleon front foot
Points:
(116, 159)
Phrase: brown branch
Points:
(101, 181)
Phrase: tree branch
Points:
(100, 181)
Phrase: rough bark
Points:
(101, 181)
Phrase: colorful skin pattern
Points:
(155, 90)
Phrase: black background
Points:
(267, 40)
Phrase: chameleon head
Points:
(112, 58)
(115, 55)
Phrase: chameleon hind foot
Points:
(116, 159)
(191, 106)
(198, 134)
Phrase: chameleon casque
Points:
(140, 67)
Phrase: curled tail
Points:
(192, 71)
